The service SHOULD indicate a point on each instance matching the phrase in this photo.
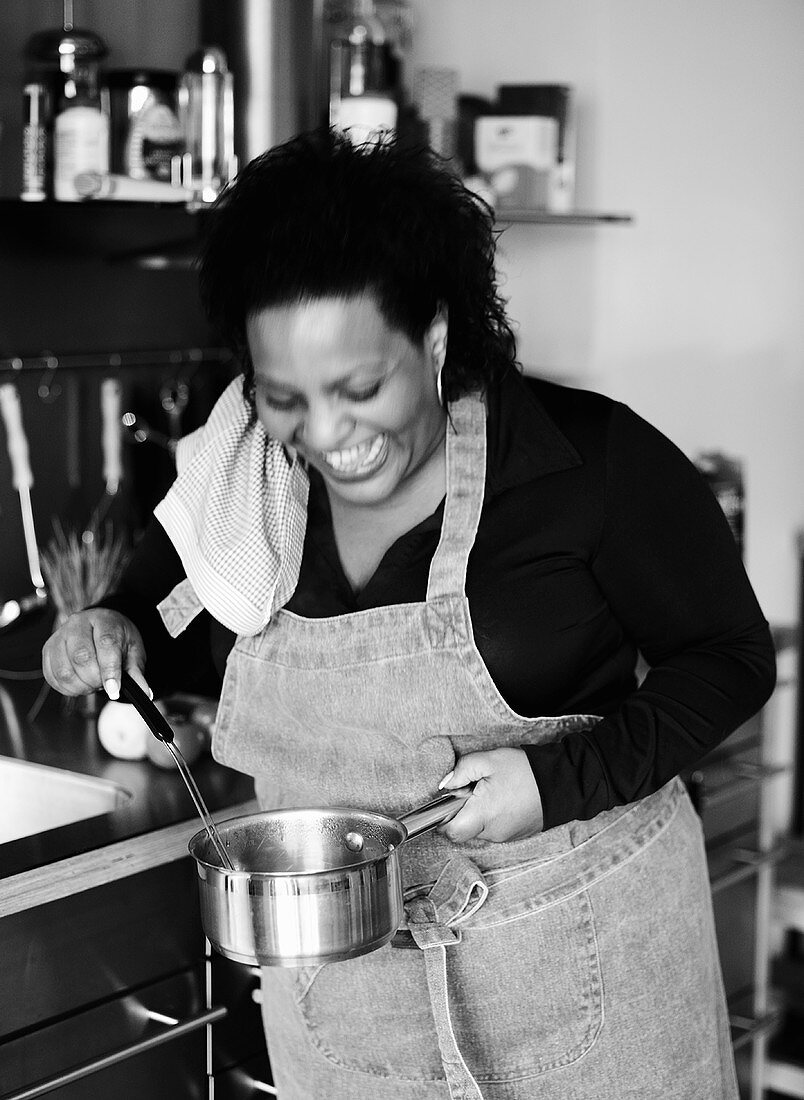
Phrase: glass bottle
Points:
(68, 60)
(364, 76)
(206, 112)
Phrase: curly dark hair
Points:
(319, 216)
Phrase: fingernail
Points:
(112, 688)
(445, 780)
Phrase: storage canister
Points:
(146, 131)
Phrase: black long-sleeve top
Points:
(598, 541)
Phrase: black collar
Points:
(523, 441)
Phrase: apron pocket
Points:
(372, 1014)
(528, 992)
(525, 997)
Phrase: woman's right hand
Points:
(90, 650)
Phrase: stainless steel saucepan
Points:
(298, 887)
(310, 885)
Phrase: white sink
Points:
(34, 797)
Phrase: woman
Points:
(422, 570)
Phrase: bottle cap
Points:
(56, 44)
(209, 59)
(163, 79)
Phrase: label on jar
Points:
(365, 118)
(80, 144)
(34, 143)
(34, 162)
(155, 137)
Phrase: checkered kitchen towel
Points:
(236, 514)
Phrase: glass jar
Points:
(206, 111)
(146, 133)
(67, 60)
(364, 75)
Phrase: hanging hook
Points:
(47, 389)
(174, 397)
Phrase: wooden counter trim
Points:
(97, 868)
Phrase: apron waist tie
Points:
(459, 891)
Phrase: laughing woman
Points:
(414, 568)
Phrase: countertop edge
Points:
(101, 866)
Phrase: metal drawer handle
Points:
(171, 1033)
(752, 770)
(745, 773)
(245, 1079)
(760, 858)
(751, 1027)
(747, 861)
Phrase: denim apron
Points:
(579, 964)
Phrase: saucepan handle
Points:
(434, 813)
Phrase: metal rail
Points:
(115, 360)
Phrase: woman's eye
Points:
(365, 394)
(281, 404)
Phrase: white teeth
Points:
(355, 459)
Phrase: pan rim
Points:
(385, 820)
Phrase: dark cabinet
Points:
(148, 1042)
(112, 992)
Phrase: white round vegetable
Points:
(122, 732)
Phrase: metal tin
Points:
(146, 133)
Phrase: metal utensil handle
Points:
(148, 711)
(441, 809)
(111, 435)
(160, 728)
(11, 411)
(22, 476)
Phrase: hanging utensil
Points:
(22, 480)
(111, 450)
(72, 450)
(111, 397)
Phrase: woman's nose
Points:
(324, 427)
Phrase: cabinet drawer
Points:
(95, 945)
(149, 1043)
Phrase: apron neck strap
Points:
(466, 481)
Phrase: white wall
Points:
(691, 117)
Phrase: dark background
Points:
(75, 279)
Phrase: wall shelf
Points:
(166, 235)
(534, 217)
(576, 217)
(95, 228)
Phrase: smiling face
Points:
(354, 396)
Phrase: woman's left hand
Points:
(505, 803)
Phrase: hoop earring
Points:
(439, 386)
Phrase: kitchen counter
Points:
(152, 827)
